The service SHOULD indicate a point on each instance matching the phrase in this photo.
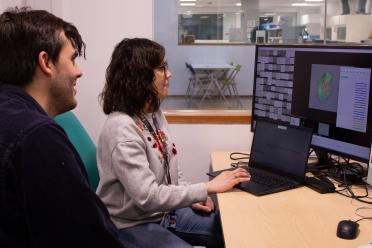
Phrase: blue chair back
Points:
(82, 143)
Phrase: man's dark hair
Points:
(130, 76)
(24, 33)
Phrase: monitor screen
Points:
(264, 22)
(323, 87)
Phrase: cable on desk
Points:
(239, 156)
(346, 173)
(234, 155)
(338, 169)
(360, 198)
(363, 217)
(360, 215)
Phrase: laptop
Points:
(278, 158)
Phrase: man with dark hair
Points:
(45, 199)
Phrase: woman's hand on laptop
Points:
(227, 180)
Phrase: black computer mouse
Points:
(347, 229)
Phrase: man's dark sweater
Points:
(45, 199)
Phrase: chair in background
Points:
(82, 143)
(228, 84)
(198, 82)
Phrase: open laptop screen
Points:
(281, 149)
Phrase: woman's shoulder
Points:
(118, 118)
(120, 124)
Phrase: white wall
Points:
(4, 4)
(195, 142)
(48, 5)
(102, 25)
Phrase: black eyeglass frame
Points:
(164, 67)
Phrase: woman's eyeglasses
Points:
(163, 67)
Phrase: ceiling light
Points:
(300, 4)
(238, 4)
(187, 4)
(269, 14)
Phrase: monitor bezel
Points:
(310, 46)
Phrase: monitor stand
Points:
(323, 161)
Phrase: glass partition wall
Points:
(210, 44)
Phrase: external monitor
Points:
(324, 87)
(265, 21)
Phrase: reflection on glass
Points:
(249, 21)
(198, 33)
(348, 21)
(260, 21)
(200, 27)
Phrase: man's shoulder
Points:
(17, 126)
(19, 112)
(24, 120)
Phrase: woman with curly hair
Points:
(141, 184)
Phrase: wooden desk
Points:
(295, 218)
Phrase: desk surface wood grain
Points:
(295, 218)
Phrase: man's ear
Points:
(45, 63)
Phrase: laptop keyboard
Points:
(267, 179)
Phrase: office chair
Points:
(82, 143)
(228, 83)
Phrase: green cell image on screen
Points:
(325, 85)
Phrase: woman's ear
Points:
(45, 63)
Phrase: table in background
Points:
(297, 218)
(214, 71)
